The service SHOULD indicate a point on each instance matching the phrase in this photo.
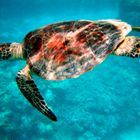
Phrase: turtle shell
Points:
(69, 49)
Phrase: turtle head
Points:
(5, 51)
(10, 50)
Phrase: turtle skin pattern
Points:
(32, 94)
(135, 52)
(5, 51)
(69, 49)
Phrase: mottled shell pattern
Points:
(69, 49)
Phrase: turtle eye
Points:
(137, 45)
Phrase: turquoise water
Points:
(103, 104)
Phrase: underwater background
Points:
(103, 104)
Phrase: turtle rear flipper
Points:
(129, 47)
(31, 92)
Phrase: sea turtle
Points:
(67, 50)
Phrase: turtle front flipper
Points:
(129, 47)
(31, 92)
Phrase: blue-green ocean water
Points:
(103, 104)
